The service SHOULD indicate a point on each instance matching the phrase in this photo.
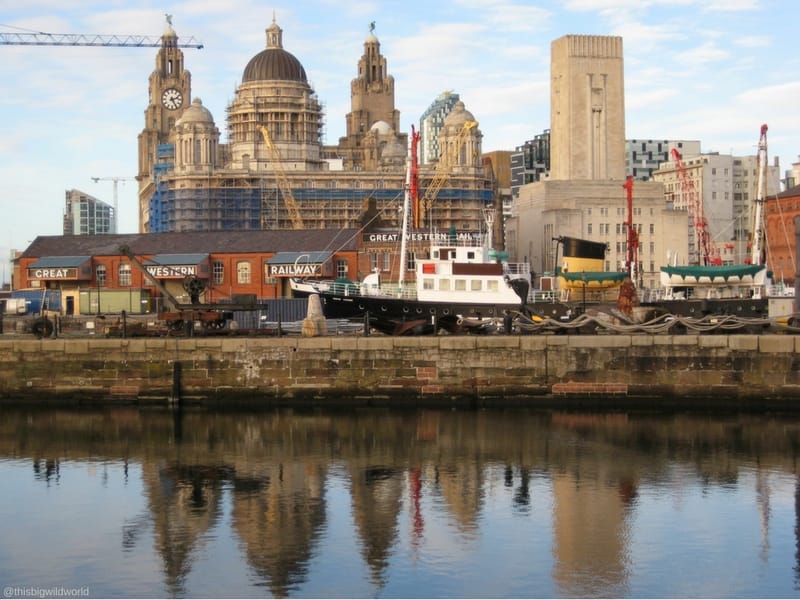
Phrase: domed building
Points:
(196, 140)
(274, 171)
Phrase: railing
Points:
(780, 290)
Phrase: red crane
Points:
(632, 256)
(705, 252)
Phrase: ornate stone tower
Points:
(170, 91)
(587, 108)
(371, 102)
(196, 141)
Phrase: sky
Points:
(707, 70)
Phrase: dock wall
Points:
(736, 371)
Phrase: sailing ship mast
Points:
(757, 250)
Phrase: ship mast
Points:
(756, 257)
(410, 187)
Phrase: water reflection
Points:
(574, 505)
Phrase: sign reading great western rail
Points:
(442, 237)
(295, 270)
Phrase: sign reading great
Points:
(53, 273)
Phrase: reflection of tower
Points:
(279, 519)
(461, 486)
(762, 498)
(590, 533)
(184, 504)
(376, 495)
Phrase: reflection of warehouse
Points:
(273, 171)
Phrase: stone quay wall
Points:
(647, 371)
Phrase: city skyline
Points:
(694, 71)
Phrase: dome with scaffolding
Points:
(274, 63)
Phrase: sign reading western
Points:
(295, 270)
(53, 273)
(171, 271)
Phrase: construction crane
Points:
(40, 38)
(757, 251)
(116, 181)
(694, 203)
(283, 182)
(447, 160)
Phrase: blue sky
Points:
(708, 70)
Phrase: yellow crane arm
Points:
(283, 181)
(447, 160)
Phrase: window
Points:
(243, 272)
(475, 285)
(373, 261)
(218, 272)
(444, 285)
(411, 262)
(427, 283)
(491, 286)
(100, 275)
(652, 228)
(387, 261)
(589, 229)
(124, 274)
(341, 268)
(461, 285)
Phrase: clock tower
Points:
(170, 88)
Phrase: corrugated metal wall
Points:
(285, 310)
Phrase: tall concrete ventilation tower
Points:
(587, 108)
(584, 195)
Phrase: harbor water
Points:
(125, 502)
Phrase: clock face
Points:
(172, 99)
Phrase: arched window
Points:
(218, 272)
(100, 275)
(124, 274)
(243, 272)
